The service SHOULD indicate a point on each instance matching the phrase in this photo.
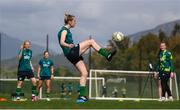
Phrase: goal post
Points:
(124, 85)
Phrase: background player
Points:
(25, 69)
(63, 91)
(45, 73)
(165, 69)
(69, 88)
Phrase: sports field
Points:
(8, 87)
(71, 104)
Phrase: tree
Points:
(176, 29)
(139, 54)
(162, 35)
(148, 47)
(124, 44)
(62, 71)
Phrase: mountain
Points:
(58, 60)
(10, 47)
(167, 28)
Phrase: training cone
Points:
(3, 99)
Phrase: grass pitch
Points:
(92, 104)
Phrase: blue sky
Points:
(33, 19)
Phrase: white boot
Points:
(163, 99)
(48, 99)
(160, 99)
(170, 98)
(18, 98)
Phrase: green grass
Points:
(68, 104)
(9, 87)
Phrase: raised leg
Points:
(84, 45)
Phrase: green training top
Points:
(45, 65)
(165, 62)
(68, 40)
(24, 62)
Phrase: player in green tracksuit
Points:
(45, 73)
(165, 69)
(25, 69)
(74, 52)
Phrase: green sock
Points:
(82, 90)
(47, 94)
(103, 52)
(34, 91)
(18, 91)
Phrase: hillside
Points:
(10, 46)
(166, 27)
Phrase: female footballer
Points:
(25, 69)
(74, 52)
(166, 71)
(45, 73)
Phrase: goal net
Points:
(126, 85)
(66, 87)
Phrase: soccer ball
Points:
(117, 36)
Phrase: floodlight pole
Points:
(47, 43)
(0, 56)
(89, 89)
(140, 68)
(0, 62)
(90, 37)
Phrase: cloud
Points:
(90, 9)
(33, 19)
